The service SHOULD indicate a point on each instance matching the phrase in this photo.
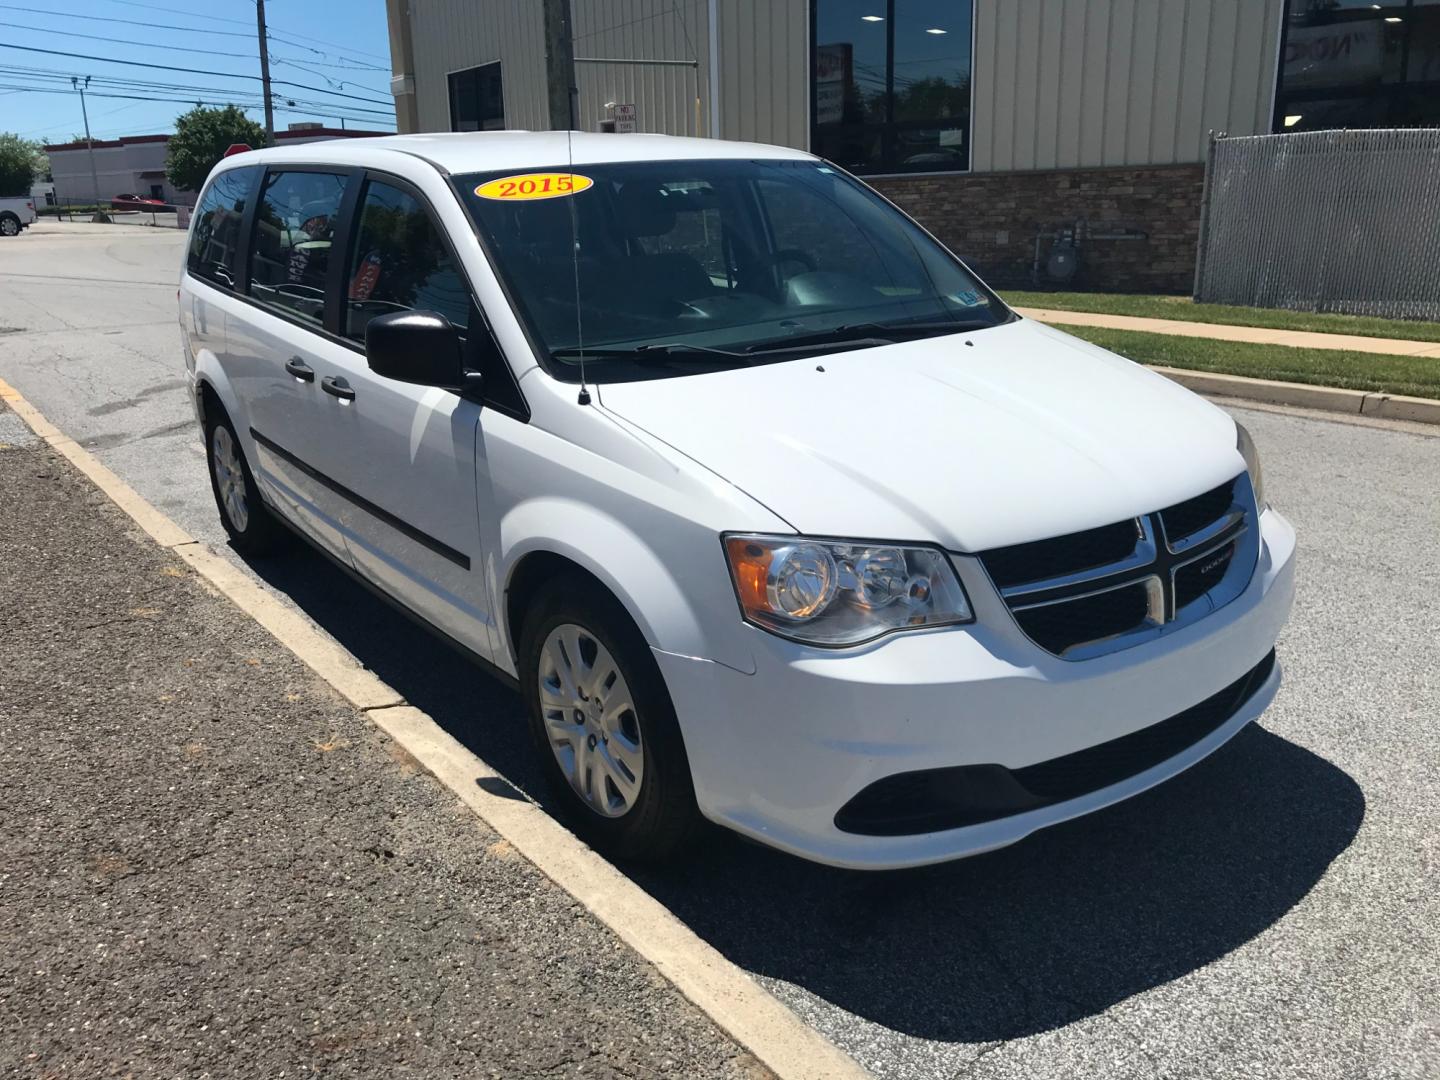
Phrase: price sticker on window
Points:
(528, 186)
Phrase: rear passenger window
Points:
(216, 232)
(400, 263)
(294, 228)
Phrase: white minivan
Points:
(775, 514)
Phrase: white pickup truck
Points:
(16, 214)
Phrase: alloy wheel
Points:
(590, 720)
(229, 477)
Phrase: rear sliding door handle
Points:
(336, 387)
(301, 370)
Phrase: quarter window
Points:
(400, 263)
(216, 232)
(294, 230)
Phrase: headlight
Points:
(1246, 446)
(827, 592)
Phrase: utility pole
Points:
(100, 216)
(265, 74)
(563, 94)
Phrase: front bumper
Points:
(777, 753)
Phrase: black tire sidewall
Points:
(9, 219)
(664, 816)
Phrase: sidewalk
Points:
(1300, 339)
(215, 866)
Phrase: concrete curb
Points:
(1326, 398)
(734, 1001)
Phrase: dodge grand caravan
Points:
(775, 514)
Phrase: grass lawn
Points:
(1416, 376)
(1184, 309)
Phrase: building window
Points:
(477, 101)
(1348, 64)
(890, 84)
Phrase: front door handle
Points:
(337, 387)
(301, 370)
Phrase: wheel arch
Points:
(614, 557)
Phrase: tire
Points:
(252, 528)
(648, 817)
(9, 225)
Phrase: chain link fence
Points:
(1343, 221)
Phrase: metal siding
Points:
(451, 35)
(764, 71)
(664, 96)
(1074, 83)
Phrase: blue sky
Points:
(326, 48)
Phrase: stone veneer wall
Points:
(990, 220)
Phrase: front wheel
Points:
(252, 528)
(603, 724)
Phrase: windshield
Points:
(657, 269)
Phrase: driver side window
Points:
(290, 251)
(400, 263)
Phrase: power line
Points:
(333, 114)
(221, 18)
(127, 22)
(127, 41)
(185, 70)
(149, 25)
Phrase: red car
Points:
(135, 202)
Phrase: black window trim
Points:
(351, 223)
(240, 260)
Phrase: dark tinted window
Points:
(400, 263)
(477, 99)
(294, 230)
(1349, 64)
(216, 231)
(890, 83)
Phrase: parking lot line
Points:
(736, 1003)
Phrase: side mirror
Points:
(417, 347)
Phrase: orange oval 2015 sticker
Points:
(535, 185)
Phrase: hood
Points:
(971, 441)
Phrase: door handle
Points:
(337, 387)
(301, 370)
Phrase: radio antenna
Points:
(584, 396)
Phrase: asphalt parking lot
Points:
(1273, 912)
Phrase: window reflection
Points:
(891, 84)
(1348, 63)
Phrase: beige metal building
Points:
(1008, 126)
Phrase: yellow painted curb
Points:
(734, 1001)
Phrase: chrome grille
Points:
(1158, 572)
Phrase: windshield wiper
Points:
(917, 329)
(751, 354)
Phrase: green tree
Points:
(22, 162)
(201, 138)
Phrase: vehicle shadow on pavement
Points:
(1052, 930)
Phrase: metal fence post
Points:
(1203, 238)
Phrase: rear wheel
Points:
(253, 529)
(9, 225)
(603, 724)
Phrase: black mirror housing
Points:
(418, 347)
